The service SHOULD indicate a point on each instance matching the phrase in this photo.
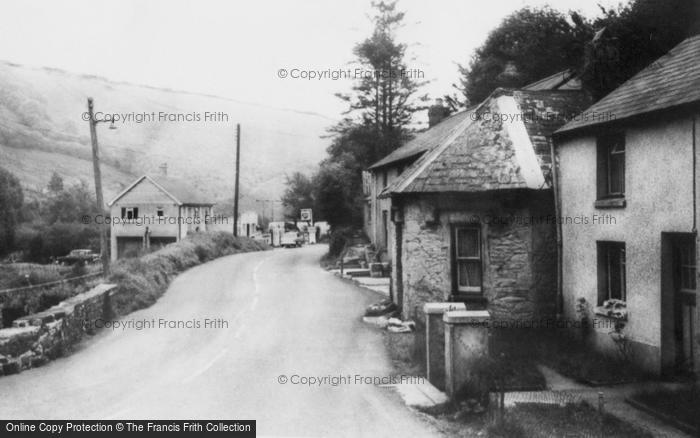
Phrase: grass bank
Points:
(545, 421)
(141, 281)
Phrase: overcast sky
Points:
(235, 49)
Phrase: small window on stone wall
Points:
(467, 260)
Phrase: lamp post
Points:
(104, 243)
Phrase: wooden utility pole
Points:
(238, 168)
(104, 240)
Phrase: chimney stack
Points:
(164, 169)
(437, 113)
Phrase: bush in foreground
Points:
(141, 281)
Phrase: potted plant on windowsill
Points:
(613, 308)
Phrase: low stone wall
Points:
(31, 298)
(35, 339)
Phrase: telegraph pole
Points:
(238, 168)
(104, 242)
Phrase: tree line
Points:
(41, 228)
(528, 45)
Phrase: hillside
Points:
(42, 129)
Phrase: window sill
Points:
(610, 203)
(609, 313)
(472, 299)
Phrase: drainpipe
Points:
(695, 200)
(179, 223)
(397, 291)
(557, 213)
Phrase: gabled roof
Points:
(426, 140)
(179, 191)
(502, 144)
(670, 81)
(422, 142)
(563, 80)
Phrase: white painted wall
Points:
(658, 190)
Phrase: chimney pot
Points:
(437, 113)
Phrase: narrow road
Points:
(286, 317)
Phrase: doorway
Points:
(679, 302)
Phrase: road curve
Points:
(286, 317)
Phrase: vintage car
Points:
(291, 239)
(84, 256)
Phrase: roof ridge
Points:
(420, 136)
(431, 155)
(667, 82)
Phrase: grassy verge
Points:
(545, 421)
(143, 280)
(29, 274)
(517, 373)
(568, 356)
(404, 353)
(513, 366)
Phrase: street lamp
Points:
(104, 243)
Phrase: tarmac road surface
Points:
(277, 320)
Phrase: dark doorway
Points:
(679, 302)
(385, 229)
(128, 247)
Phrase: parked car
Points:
(291, 239)
(84, 256)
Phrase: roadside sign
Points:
(306, 215)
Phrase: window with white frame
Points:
(612, 271)
(467, 259)
(611, 166)
(130, 213)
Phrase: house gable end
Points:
(144, 191)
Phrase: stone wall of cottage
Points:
(518, 247)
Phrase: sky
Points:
(236, 49)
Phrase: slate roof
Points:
(502, 144)
(180, 191)
(670, 81)
(426, 140)
(422, 142)
(563, 80)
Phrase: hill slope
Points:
(42, 129)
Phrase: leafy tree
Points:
(70, 205)
(385, 98)
(59, 239)
(377, 121)
(299, 194)
(11, 200)
(55, 183)
(531, 44)
(338, 201)
(630, 38)
(60, 227)
(528, 45)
